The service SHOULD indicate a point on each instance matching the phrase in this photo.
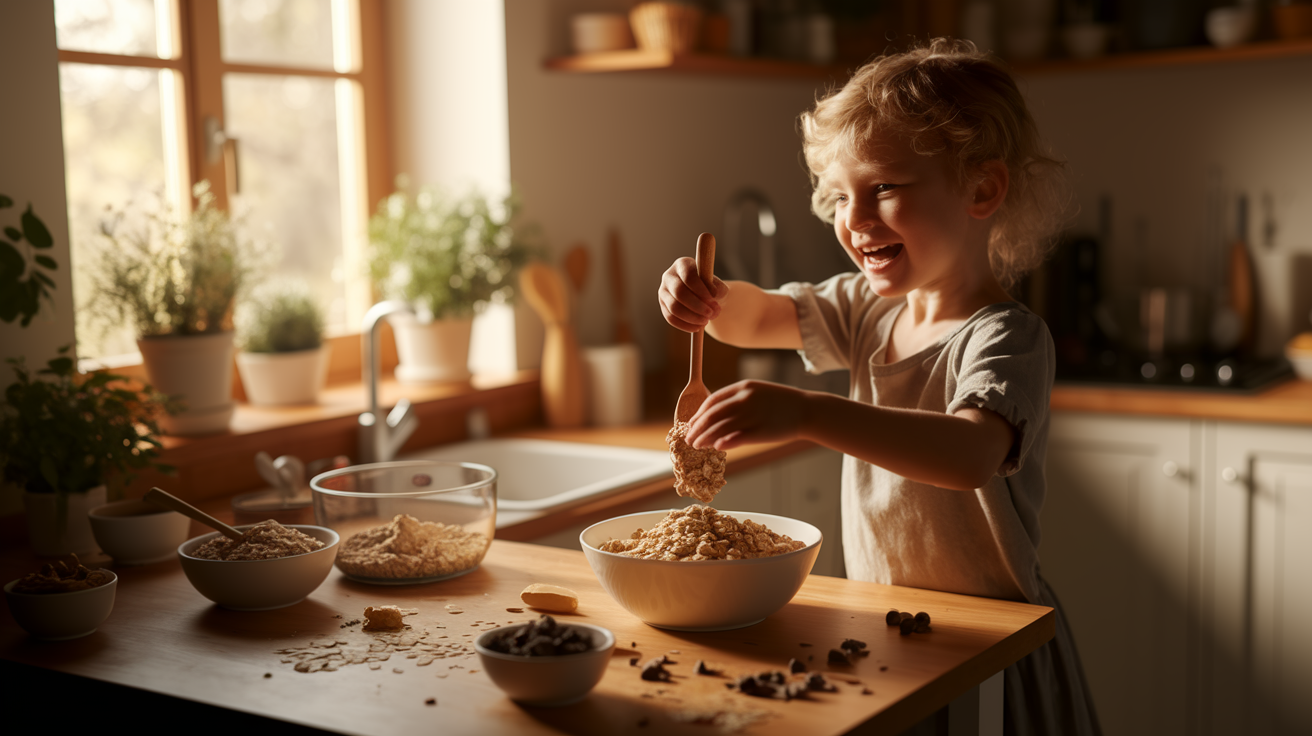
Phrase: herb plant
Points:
(279, 317)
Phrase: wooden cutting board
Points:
(164, 637)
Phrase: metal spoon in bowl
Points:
(167, 500)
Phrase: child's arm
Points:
(739, 313)
(960, 451)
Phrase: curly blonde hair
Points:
(947, 98)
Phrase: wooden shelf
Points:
(643, 60)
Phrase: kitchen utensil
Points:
(562, 370)
(61, 616)
(166, 500)
(458, 499)
(1241, 284)
(289, 491)
(673, 595)
(547, 681)
(614, 381)
(138, 533)
(260, 585)
(618, 288)
(577, 266)
(695, 393)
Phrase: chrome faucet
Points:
(748, 250)
(380, 438)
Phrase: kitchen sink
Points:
(535, 475)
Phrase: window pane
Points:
(283, 32)
(106, 26)
(113, 154)
(288, 169)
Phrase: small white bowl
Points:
(260, 585)
(138, 533)
(1230, 26)
(1302, 362)
(674, 595)
(547, 681)
(60, 616)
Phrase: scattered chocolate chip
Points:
(633, 661)
(867, 691)
(884, 668)
(542, 638)
(893, 618)
(818, 683)
(839, 656)
(267, 675)
(431, 701)
(922, 622)
(803, 644)
(643, 722)
(795, 667)
(702, 669)
(665, 659)
(852, 646)
(654, 671)
(907, 615)
(907, 626)
(633, 645)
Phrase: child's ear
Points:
(990, 189)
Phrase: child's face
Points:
(902, 219)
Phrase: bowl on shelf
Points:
(138, 533)
(1230, 26)
(60, 616)
(1299, 353)
(547, 681)
(672, 595)
(408, 521)
(260, 585)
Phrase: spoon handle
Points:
(167, 500)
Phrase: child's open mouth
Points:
(878, 257)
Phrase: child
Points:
(929, 166)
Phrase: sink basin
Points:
(534, 475)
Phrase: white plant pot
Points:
(52, 534)
(431, 352)
(196, 369)
(273, 379)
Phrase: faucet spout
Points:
(381, 438)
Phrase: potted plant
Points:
(447, 257)
(176, 279)
(65, 438)
(283, 358)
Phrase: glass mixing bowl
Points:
(408, 522)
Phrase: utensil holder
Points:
(666, 26)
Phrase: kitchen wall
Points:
(658, 155)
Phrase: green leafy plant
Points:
(173, 275)
(279, 317)
(62, 432)
(19, 296)
(447, 254)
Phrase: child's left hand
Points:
(747, 412)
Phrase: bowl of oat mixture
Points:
(701, 569)
(272, 566)
(408, 522)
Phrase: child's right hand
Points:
(685, 301)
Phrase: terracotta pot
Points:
(53, 531)
(196, 369)
(431, 352)
(273, 379)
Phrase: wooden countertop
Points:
(1286, 403)
(163, 637)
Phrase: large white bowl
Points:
(260, 585)
(59, 616)
(549, 681)
(138, 533)
(708, 595)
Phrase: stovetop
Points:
(1190, 373)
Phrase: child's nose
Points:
(861, 215)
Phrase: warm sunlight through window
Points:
(267, 99)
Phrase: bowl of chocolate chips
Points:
(545, 662)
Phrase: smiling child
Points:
(930, 168)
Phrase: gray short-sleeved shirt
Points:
(901, 532)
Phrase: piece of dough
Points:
(382, 618)
(550, 598)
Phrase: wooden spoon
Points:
(695, 393)
(167, 500)
(562, 363)
(618, 291)
(576, 266)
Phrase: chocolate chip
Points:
(702, 669)
(795, 667)
(907, 625)
(431, 701)
(893, 618)
(654, 671)
(839, 656)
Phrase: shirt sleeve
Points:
(1006, 366)
(826, 313)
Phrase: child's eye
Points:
(881, 188)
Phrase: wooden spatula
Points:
(562, 364)
(695, 392)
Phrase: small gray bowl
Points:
(60, 616)
(547, 681)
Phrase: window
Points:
(277, 103)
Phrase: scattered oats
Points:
(702, 533)
(397, 670)
(514, 610)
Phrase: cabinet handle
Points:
(1170, 469)
(1229, 475)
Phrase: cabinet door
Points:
(751, 490)
(809, 488)
(1118, 547)
(1258, 581)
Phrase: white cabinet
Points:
(804, 486)
(1182, 553)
